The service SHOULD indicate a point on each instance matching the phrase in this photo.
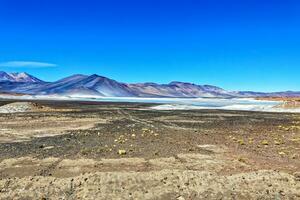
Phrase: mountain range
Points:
(95, 85)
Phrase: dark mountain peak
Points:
(145, 84)
(5, 76)
(94, 76)
(78, 75)
(180, 83)
(2, 72)
(75, 77)
(98, 76)
(19, 74)
(212, 87)
(97, 79)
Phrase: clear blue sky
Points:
(234, 44)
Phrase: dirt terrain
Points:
(90, 150)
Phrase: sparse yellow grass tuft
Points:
(265, 142)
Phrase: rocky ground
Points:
(20, 107)
(89, 150)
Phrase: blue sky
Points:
(234, 44)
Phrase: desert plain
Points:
(94, 150)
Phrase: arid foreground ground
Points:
(80, 150)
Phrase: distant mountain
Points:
(95, 85)
(74, 85)
(266, 94)
(62, 86)
(177, 89)
(85, 85)
(18, 77)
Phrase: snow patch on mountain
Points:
(19, 77)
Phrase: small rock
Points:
(294, 156)
(282, 193)
(49, 147)
(180, 198)
(297, 176)
(241, 159)
(122, 152)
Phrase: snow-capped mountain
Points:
(96, 85)
(5, 76)
(18, 77)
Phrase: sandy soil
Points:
(85, 150)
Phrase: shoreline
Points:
(289, 105)
(287, 102)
